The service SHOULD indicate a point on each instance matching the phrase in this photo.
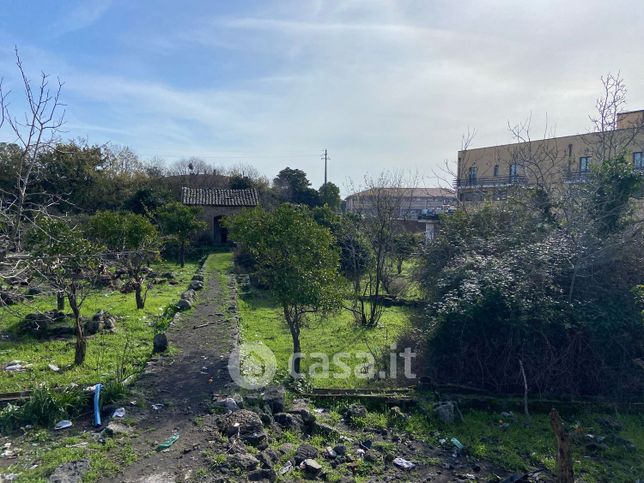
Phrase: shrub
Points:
(514, 284)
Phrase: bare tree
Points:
(609, 138)
(35, 132)
(382, 206)
(191, 166)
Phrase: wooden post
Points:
(563, 472)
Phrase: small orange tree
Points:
(69, 263)
(296, 258)
(133, 243)
(179, 222)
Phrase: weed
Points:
(43, 408)
(214, 459)
(201, 474)
(375, 420)
(199, 421)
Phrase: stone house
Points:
(216, 204)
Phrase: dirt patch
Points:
(181, 387)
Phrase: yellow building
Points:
(489, 173)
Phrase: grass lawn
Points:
(263, 321)
(520, 447)
(131, 343)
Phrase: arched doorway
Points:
(220, 232)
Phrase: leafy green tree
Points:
(329, 194)
(86, 178)
(148, 199)
(69, 263)
(180, 223)
(296, 259)
(9, 162)
(292, 186)
(240, 182)
(71, 172)
(133, 242)
(405, 245)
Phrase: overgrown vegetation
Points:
(541, 282)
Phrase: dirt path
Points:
(184, 383)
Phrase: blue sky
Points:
(380, 83)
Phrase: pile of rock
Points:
(188, 297)
(10, 297)
(187, 300)
(196, 283)
(52, 323)
(244, 426)
(101, 321)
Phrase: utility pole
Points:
(326, 158)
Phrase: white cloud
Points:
(85, 14)
(381, 83)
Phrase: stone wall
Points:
(217, 234)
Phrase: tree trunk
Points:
(60, 300)
(294, 327)
(563, 473)
(81, 341)
(295, 369)
(140, 302)
(182, 254)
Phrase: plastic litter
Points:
(119, 413)
(168, 442)
(156, 407)
(286, 468)
(403, 463)
(459, 446)
(64, 424)
(53, 367)
(97, 404)
(228, 403)
(15, 367)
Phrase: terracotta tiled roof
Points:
(219, 197)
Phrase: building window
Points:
(514, 172)
(584, 164)
(472, 174)
(496, 170)
(638, 160)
